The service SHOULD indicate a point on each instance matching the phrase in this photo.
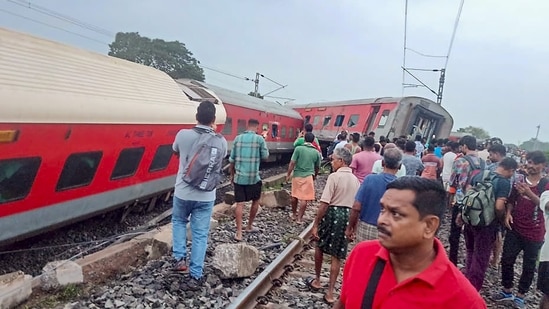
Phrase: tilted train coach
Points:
(389, 117)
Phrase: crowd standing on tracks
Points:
(393, 201)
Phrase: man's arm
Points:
(290, 170)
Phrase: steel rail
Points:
(264, 282)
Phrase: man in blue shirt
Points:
(367, 199)
(248, 150)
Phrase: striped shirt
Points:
(248, 150)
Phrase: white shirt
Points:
(447, 160)
(340, 145)
(378, 169)
(544, 200)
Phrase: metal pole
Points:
(256, 81)
(536, 139)
(441, 85)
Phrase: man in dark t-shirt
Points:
(479, 240)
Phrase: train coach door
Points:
(371, 119)
(274, 135)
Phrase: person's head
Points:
(309, 137)
(411, 212)
(342, 136)
(253, 124)
(496, 152)
(401, 144)
(368, 143)
(410, 147)
(383, 140)
(418, 138)
(308, 127)
(453, 147)
(377, 147)
(480, 147)
(507, 167)
(341, 157)
(392, 158)
(205, 113)
(535, 162)
(389, 146)
(430, 149)
(372, 134)
(355, 137)
(468, 143)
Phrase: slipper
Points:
(237, 239)
(253, 230)
(327, 301)
(309, 283)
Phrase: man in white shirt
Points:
(378, 167)
(452, 148)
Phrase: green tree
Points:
(477, 132)
(529, 145)
(171, 57)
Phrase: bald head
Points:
(390, 145)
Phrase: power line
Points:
(225, 73)
(425, 55)
(456, 23)
(66, 18)
(404, 49)
(52, 26)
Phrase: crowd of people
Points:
(391, 197)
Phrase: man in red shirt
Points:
(412, 268)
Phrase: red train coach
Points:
(279, 124)
(81, 133)
(388, 116)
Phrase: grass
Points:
(52, 299)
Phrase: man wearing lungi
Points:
(332, 219)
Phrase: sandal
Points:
(309, 283)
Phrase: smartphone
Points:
(519, 179)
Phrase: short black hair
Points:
(453, 145)
(377, 147)
(205, 113)
(499, 149)
(508, 164)
(430, 194)
(418, 138)
(410, 146)
(368, 142)
(372, 133)
(309, 137)
(253, 122)
(536, 156)
(355, 137)
(431, 148)
(469, 141)
(401, 143)
(308, 127)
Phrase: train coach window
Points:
(274, 130)
(326, 120)
(339, 120)
(79, 170)
(241, 126)
(228, 128)
(307, 119)
(161, 158)
(316, 120)
(283, 132)
(127, 163)
(291, 132)
(353, 121)
(17, 177)
(383, 119)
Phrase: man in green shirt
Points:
(301, 139)
(305, 164)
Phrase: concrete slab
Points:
(60, 273)
(274, 181)
(15, 288)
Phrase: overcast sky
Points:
(333, 50)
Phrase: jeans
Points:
(479, 241)
(200, 213)
(453, 239)
(512, 245)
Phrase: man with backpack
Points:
(248, 150)
(201, 152)
(526, 229)
(482, 211)
(463, 169)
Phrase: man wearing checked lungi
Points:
(332, 218)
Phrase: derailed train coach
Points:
(388, 116)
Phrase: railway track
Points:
(282, 285)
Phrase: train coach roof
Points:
(348, 102)
(247, 101)
(48, 82)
